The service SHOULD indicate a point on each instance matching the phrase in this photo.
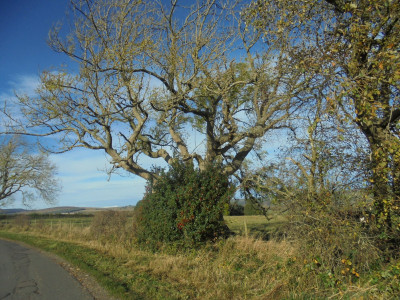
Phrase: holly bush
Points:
(184, 206)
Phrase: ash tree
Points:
(147, 72)
(24, 173)
(365, 45)
(356, 48)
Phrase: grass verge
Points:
(109, 271)
(240, 267)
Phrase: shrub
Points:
(336, 249)
(185, 205)
(22, 221)
(110, 226)
(250, 209)
(235, 209)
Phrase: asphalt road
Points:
(27, 274)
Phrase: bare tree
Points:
(149, 71)
(24, 173)
(329, 155)
(322, 165)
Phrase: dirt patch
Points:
(87, 281)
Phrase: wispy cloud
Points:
(85, 181)
(80, 171)
(19, 85)
(24, 84)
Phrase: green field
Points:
(257, 226)
(48, 220)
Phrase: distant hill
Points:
(58, 210)
(12, 211)
(61, 210)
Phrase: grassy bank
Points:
(241, 267)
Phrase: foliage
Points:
(25, 173)
(327, 71)
(186, 205)
(335, 235)
(387, 278)
(251, 209)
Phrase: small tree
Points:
(24, 173)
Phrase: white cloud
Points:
(24, 84)
(85, 183)
(20, 85)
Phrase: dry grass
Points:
(241, 267)
(238, 268)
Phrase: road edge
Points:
(84, 279)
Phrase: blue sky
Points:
(24, 53)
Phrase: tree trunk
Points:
(381, 176)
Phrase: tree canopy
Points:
(148, 71)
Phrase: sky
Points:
(24, 54)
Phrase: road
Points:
(27, 274)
